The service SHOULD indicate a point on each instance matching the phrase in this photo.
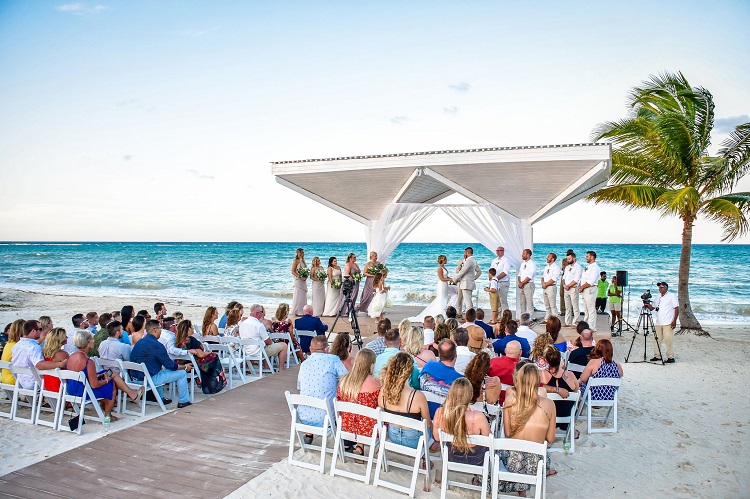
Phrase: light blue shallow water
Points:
(251, 272)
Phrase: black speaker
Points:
(622, 278)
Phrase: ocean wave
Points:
(272, 294)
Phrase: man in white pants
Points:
(501, 264)
(526, 274)
(571, 277)
(667, 310)
(466, 277)
(549, 286)
(588, 287)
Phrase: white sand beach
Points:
(682, 427)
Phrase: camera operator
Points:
(667, 310)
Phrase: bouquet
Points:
(321, 275)
(336, 284)
(388, 303)
(303, 272)
(357, 276)
(377, 269)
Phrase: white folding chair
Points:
(433, 397)
(147, 382)
(113, 364)
(570, 419)
(192, 376)
(341, 435)
(299, 429)
(416, 454)
(291, 353)
(259, 355)
(484, 470)
(302, 332)
(500, 472)
(78, 402)
(591, 403)
(494, 411)
(19, 392)
(576, 368)
(228, 362)
(7, 389)
(53, 398)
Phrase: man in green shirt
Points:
(601, 294)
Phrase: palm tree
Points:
(660, 161)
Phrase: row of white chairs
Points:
(418, 458)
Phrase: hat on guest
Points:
(476, 336)
(662, 282)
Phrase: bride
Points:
(440, 302)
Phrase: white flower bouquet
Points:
(303, 273)
(321, 275)
(336, 284)
(388, 303)
(357, 276)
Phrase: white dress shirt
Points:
(112, 349)
(167, 339)
(463, 357)
(528, 333)
(573, 273)
(552, 272)
(527, 269)
(664, 316)
(429, 336)
(591, 275)
(253, 328)
(501, 265)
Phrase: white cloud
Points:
(452, 110)
(71, 7)
(399, 120)
(460, 87)
(79, 9)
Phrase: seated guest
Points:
(450, 312)
(560, 381)
(359, 387)
(232, 324)
(161, 311)
(540, 344)
(167, 338)
(308, 322)
(601, 365)
(208, 361)
(47, 325)
(439, 319)
(580, 355)
(111, 348)
(378, 344)
(53, 352)
(438, 376)
(208, 328)
(27, 352)
(413, 344)
(230, 306)
(79, 324)
(253, 327)
(486, 327)
(392, 347)
(139, 329)
(92, 318)
(478, 340)
(524, 331)
(442, 332)
(342, 348)
(102, 334)
(553, 328)
(526, 416)
(499, 329)
(318, 377)
(470, 316)
(153, 353)
(15, 332)
(458, 419)
(282, 324)
(104, 385)
(452, 326)
(397, 397)
(145, 314)
(510, 335)
(178, 317)
(504, 367)
(463, 354)
(428, 328)
(487, 388)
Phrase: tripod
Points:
(628, 326)
(645, 326)
(348, 302)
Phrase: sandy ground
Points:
(682, 427)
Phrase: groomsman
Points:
(549, 286)
(588, 287)
(526, 274)
(501, 264)
(466, 276)
(571, 278)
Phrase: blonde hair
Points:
(233, 317)
(282, 312)
(413, 340)
(454, 413)
(452, 325)
(44, 321)
(526, 382)
(540, 343)
(439, 319)
(397, 371)
(208, 318)
(16, 328)
(315, 261)
(442, 259)
(54, 342)
(375, 253)
(442, 332)
(403, 327)
(351, 383)
(349, 257)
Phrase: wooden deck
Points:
(206, 450)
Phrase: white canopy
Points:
(510, 189)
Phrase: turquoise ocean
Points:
(260, 272)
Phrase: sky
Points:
(157, 121)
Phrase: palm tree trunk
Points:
(688, 322)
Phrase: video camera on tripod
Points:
(646, 297)
(347, 287)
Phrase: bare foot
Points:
(551, 472)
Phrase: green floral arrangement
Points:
(336, 284)
(357, 276)
(377, 269)
(321, 275)
(303, 272)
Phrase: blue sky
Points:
(136, 120)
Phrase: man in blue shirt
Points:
(318, 377)
(309, 323)
(480, 322)
(149, 351)
(511, 328)
(438, 376)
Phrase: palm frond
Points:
(703, 120)
(629, 167)
(736, 149)
(712, 176)
(679, 202)
(630, 196)
(731, 211)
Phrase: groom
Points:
(466, 276)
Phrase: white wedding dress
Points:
(439, 304)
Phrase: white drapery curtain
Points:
(491, 227)
(397, 221)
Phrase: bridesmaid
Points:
(332, 294)
(368, 292)
(350, 269)
(299, 295)
(318, 289)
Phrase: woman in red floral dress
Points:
(360, 387)
(282, 324)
